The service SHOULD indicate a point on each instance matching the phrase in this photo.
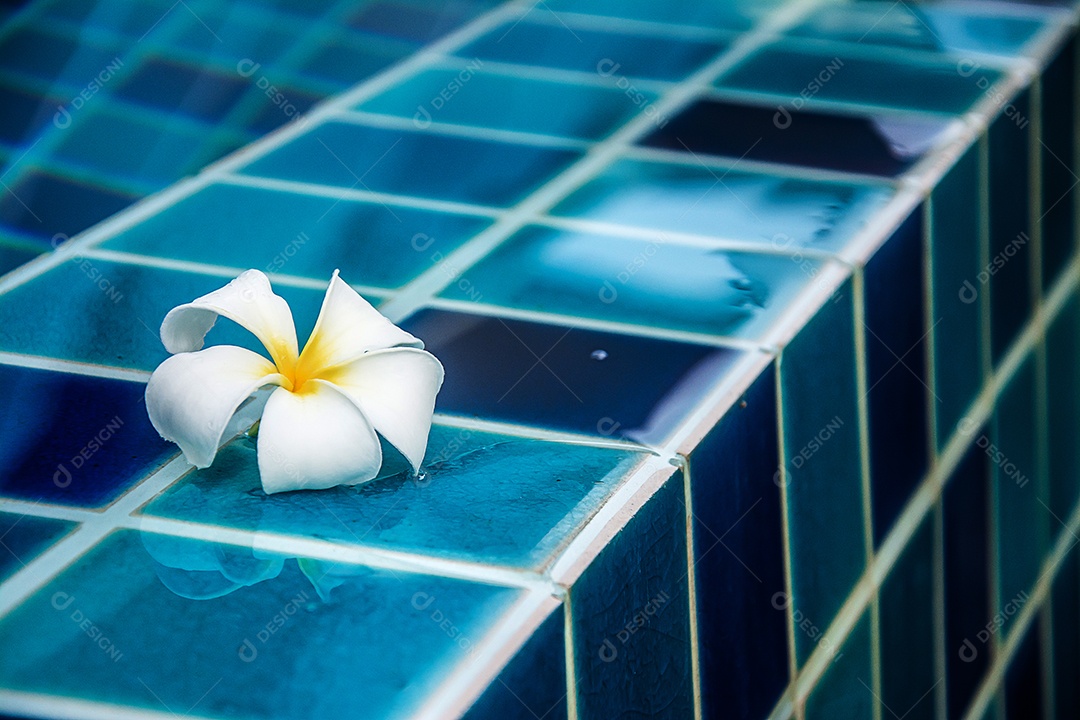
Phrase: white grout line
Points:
(46, 510)
(611, 24)
(579, 78)
(537, 433)
(76, 368)
(49, 707)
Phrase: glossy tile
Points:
(43, 204)
(158, 622)
(630, 613)
(897, 392)
(642, 282)
(533, 684)
(742, 601)
(1063, 410)
(464, 97)
(821, 467)
(24, 537)
(1010, 225)
(424, 164)
(780, 213)
(875, 145)
(956, 287)
(485, 498)
(849, 74)
(73, 439)
(620, 57)
(844, 691)
(1057, 155)
(567, 378)
(109, 313)
(303, 235)
(176, 87)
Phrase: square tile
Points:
(1057, 155)
(483, 498)
(874, 145)
(844, 691)
(26, 113)
(468, 97)
(739, 558)
(897, 391)
(176, 87)
(58, 61)
(417, 22)
(821, 469)
(641, 282)
(303, 235)
(567, 378)
(630, 613)
(422, 164)
(614, 55)
(74, 439)
(780, 213)
(24, 537)
(346, 58)
(213, 629)
(42, 203)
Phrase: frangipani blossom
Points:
(358, 374)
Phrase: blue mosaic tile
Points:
(897, 391)
(60, 62)
(343, 59)
(14, 253)
(25, 113)
(1057, 152)
(276, 105)
(24, 537)
(848, 74)
(885, 145)
(588, 381)
(418, 22)
(844, 691)
(42, 204)
(533, 684)
(423, 164)
(121, 16)
(107, 313)
(482, 497)
(630, 613)
(821, 467)
(174, 87)
(621, 57)
(780, 213)
(233, 34)
(74, 439)
(742, 602)
(463, 97)
(651, 283)
(304, 235)
(162, 623)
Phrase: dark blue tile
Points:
(630, 613)
(844, 691)
(217, 630)
(43, 204)
(533, 684)
(1010, 225)
(1057, 150)
(794, 137)
(1065, 598)
(73, 439)
(25, 113)
(24, 537)
(739, 559)
(274, 108)
(423, 164)
(176, 87)
(346, 59)
(59, 62)
(554, 376)
(618, 55)
(896, 371)
(1063, 412)
(734, 14)
(968, 648)
(1024, 677)
(421, 23)
(16, 253)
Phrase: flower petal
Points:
(348, 326)
(248, 301)
(395, 389)
(315, 439)
(192, 396)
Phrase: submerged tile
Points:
(1063, 413)
(630, 613)
(738, 553)
(651, 283)
(780, 213)
(24, 537)
(1065, 597)
(57, 60)
(485, 498)
(74, 439)
(14, 253)
(423, 164)
(176, 87)
(158, 622)
(303, 235)
(1057, 155)
(1024, 680)
(43, 204)
(567, 378)
(736, 14)
(844, 691)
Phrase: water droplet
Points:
(599, 355)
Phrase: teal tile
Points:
(1063, 408)
(780, 213)
(24, 537)
(821, 466)
(654, 283)
(303, 235)
(482, 497)
(108, 313)
(630, 613)
(735, 14)
(169, 624)
(120, 16)
(344, 59)
(14, 253)
(845, 690)
(909, 678)
(464, 97)
(957, 286)
(846, 73)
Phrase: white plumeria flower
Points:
(358, 374)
